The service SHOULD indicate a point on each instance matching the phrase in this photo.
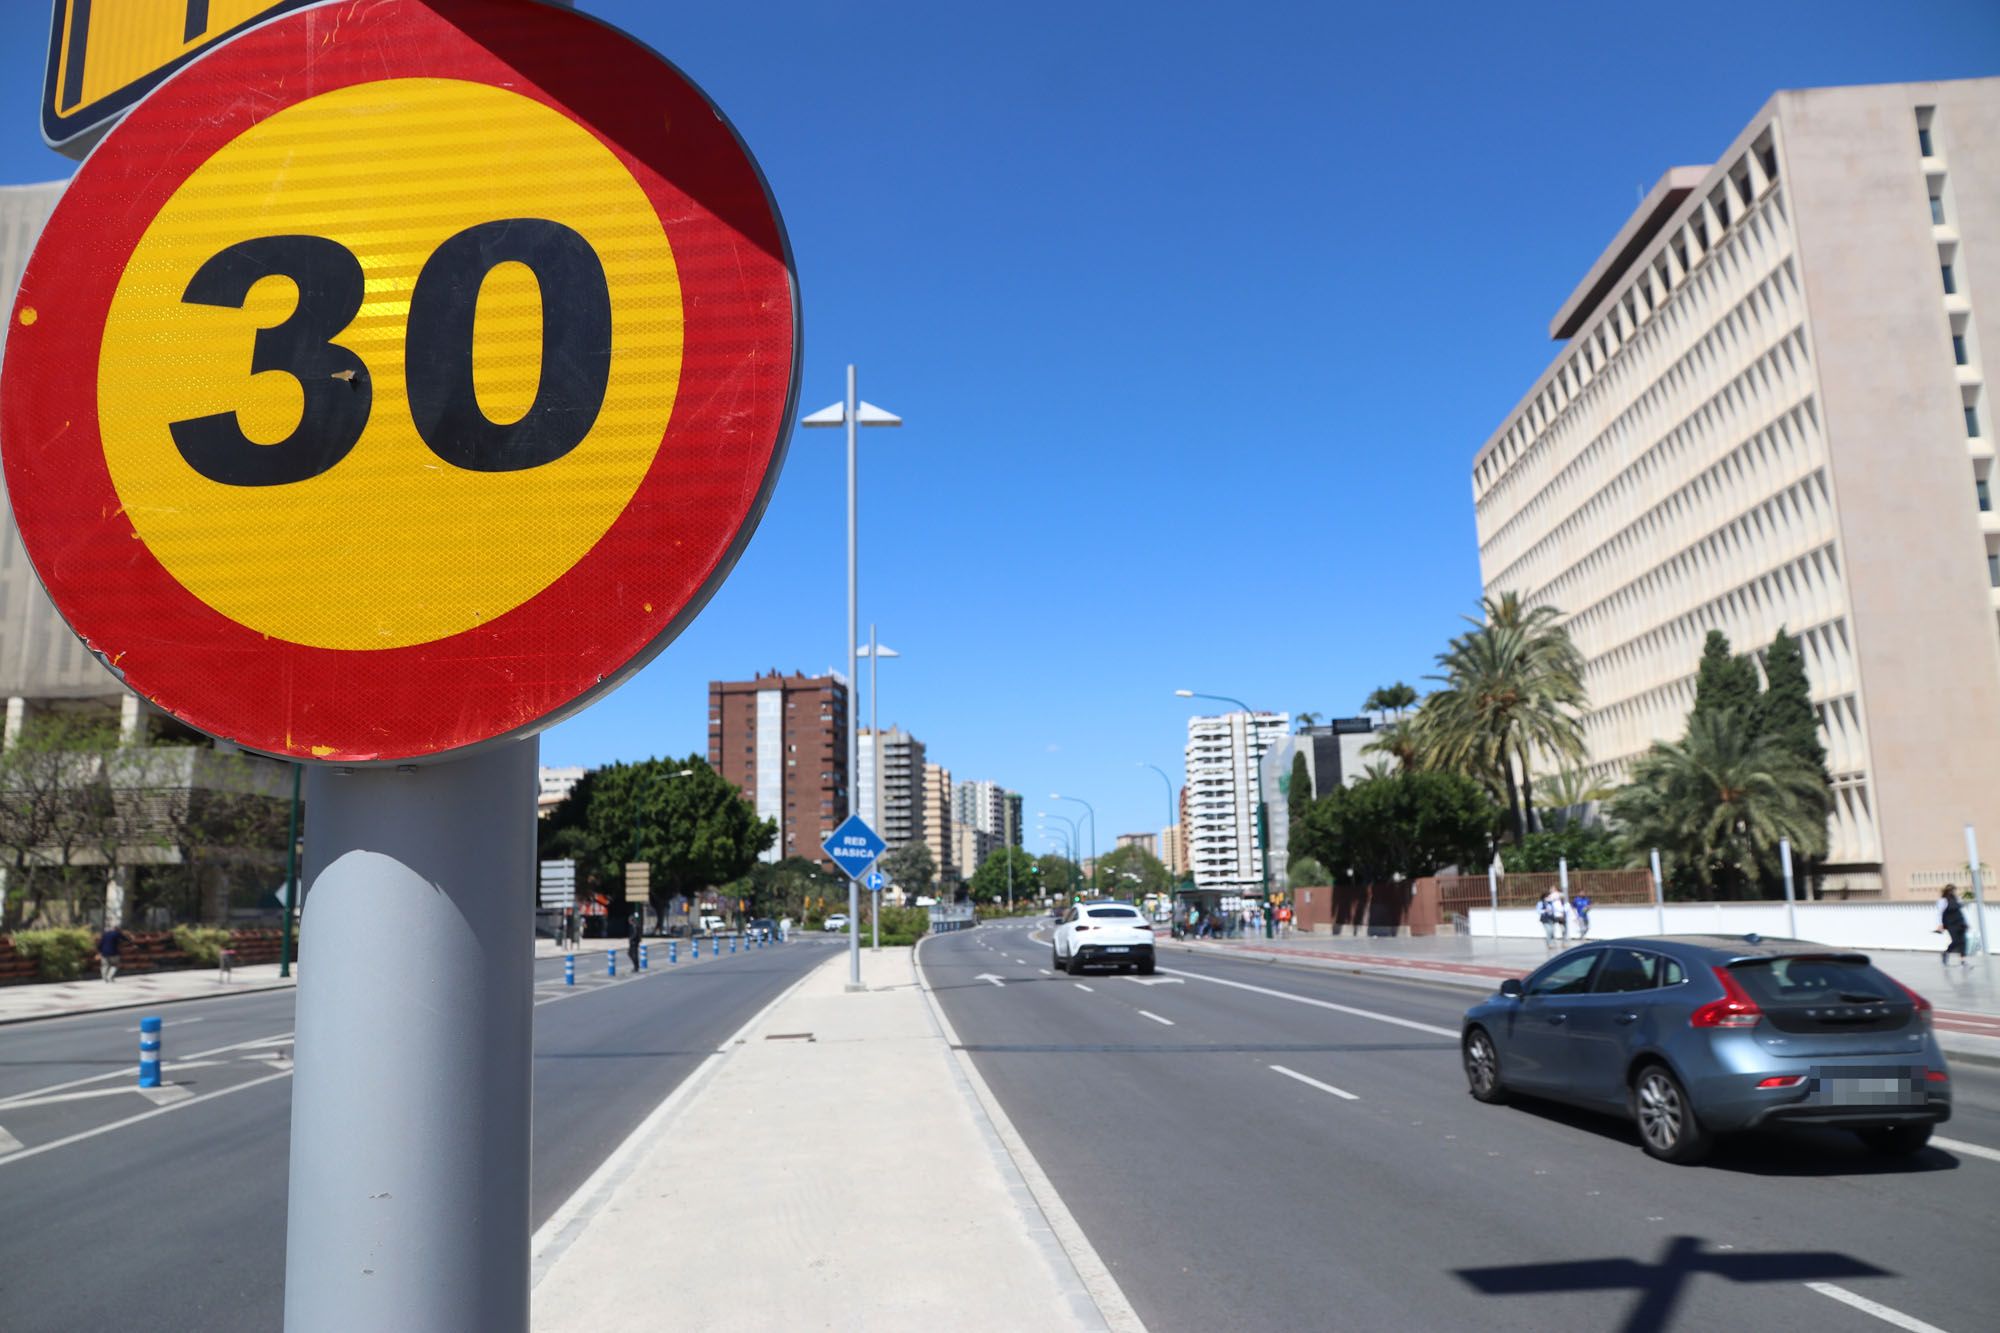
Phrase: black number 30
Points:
(575, 369)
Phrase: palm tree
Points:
(1305, 719)
(1720, 799)
(1511, 686)
(1572, 787)
(1401, 742)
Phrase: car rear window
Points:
(1814, 979)
(1114, 914)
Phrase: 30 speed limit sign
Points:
(398, 377)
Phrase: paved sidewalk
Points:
(59, 999)
(1966, 1000)
(831, 1170)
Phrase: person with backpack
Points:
(1951, 923)
(1555, 913)
(1581, 906)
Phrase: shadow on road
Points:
(1660, 1285)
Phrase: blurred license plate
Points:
(1892, 1089)
(1118, 948)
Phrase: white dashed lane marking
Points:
(1886, 1314)
(1156, 1018)
(1341, 1093)
(1080, 986)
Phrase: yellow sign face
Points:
(106, 54)
(321, 363)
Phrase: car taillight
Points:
(1923, 1005)
(1783, 1081)
(1936, 1076)
(1734, 1010)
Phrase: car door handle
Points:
(1628, 1017)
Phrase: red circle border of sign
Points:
(720, 452)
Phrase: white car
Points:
(1112, 933)
(838, 921)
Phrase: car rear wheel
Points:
(1668, 1126)
(1895, 1140)
(1146, 968)
(1482, 1067)
(1075, 967)
(1055, 959)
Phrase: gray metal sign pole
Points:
(410, 1102)
(853, 683)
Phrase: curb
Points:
(1096, 1289)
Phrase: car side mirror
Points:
(1511, 988)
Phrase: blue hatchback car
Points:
(1690, 1036)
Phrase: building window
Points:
(1937, 210)
(1924, 133)
(1971, 422)
(1993, 568)
(1950, 281)
(1985, 495)
(1958, 352)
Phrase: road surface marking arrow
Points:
(1157, 981)
(988, 976)
(8, 1143)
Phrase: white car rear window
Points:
(1114, 914)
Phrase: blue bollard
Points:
(697, 948)
(732, 944)
(610, 962)
(673, 948)
(569, 969)
(643, 960)
(149, 1052)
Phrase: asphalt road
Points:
(117, 1212)
(1365, 1189)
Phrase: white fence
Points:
(1846, 925)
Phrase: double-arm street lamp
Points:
(852, 413)
(1093, 833)
(1075, 836)
(1257, 814)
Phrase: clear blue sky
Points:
(1196, 314)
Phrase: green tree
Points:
(1511, 690)
(910, 868)
(1298, 798)
(1132, 873)
(1725, 681)
(1785, 709)
(783, 888)
(1058, 874)
(989, 883)
(1586, 847)
(1402, 742)
(1303, 719)
(1407, 826)
(682, 817)
(1718, 801)
(1395, 699)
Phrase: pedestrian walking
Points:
(1951, 924)
(1581, 906)
(635, 927)
(109, 943)
(1285, 921)
(1555, 915)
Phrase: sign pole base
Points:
(412, 1076)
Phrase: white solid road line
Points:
(1886, 1314)
(1156, 1018)
(167, 1067)
(1970, 1149)
(1321, 1004)
(40, 1148)
(1341, 1093)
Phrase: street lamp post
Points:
(1075, 837)
(1256, 815)
(852, 413)
(1093, 833)
(1173, 815)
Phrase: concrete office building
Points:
(899, 816)
(991, 809)
(1173, 851)
(782, 740)
(1335, 754)
(938, 823)
(1220, 803)
(1771, 410)
(556, 783)
(1149, 843)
